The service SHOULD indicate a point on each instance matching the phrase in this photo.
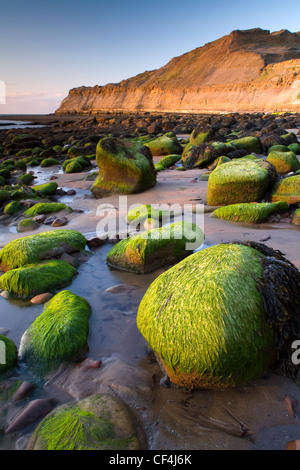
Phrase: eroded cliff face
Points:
(252, 70)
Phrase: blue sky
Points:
(48, 47)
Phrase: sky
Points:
(49, 47)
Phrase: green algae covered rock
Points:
(250, 144)
(34, 279)
(27, 225)
(284, 162)
(294, 147)
(46, 162)
(99, 422)
(125, 167)
(45, 208)
(12, 208)
(72, 166)
(164, 145)
(35, 248)
(58, 335)
(287, 189)
(211, 320)
(8, 354)
(296, 217)
(199, 156)
(27, 178)
(166, 162)
(46, 189)
(145, 211)
(155, 248)
(242, 180)
(250, 212)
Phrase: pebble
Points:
(35, 410)
(49, 220)
(40, 218)
(41, 298)
(59, 222)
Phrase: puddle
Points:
(18, 125)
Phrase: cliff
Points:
(251, 70)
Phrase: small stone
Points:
(59, 222)
(40, 218)
(49, 220)
(71, 192)
(95, 242)
(41, 298)
(53, 177)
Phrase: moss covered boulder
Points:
(165, 145)
(27, 225)
(296, 217)
(46, 208)
(140, 213)
(166, 162)
(46, 189)
(99, 422)
(287, 189)
(58, 335)
(284, 162)
(35, 248)
(250, 144)
(238, 181)
(153, 249)
(8, 354)
(205, 335)
(34, 279)
(250, 212)
(199, 156)
(12, 208)
(125, 167)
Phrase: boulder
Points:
(34, 279)
(58, 335)
(204, 334)
(35, 248)
(250, 212)
(98, 422)
(287, 189)
(238, 181)
(125, 167)
(284, 162)
(165, 145)
(45, 208)
(153, 249)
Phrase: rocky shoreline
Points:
(119, 364)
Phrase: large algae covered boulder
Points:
(155, 248)
(34, 279)
(220, 317)
(34, 248)
(8, 354)
(125, 167)
(250, 212)
(287, 189)
(59, 334)
(242, 180)
(99, 422)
